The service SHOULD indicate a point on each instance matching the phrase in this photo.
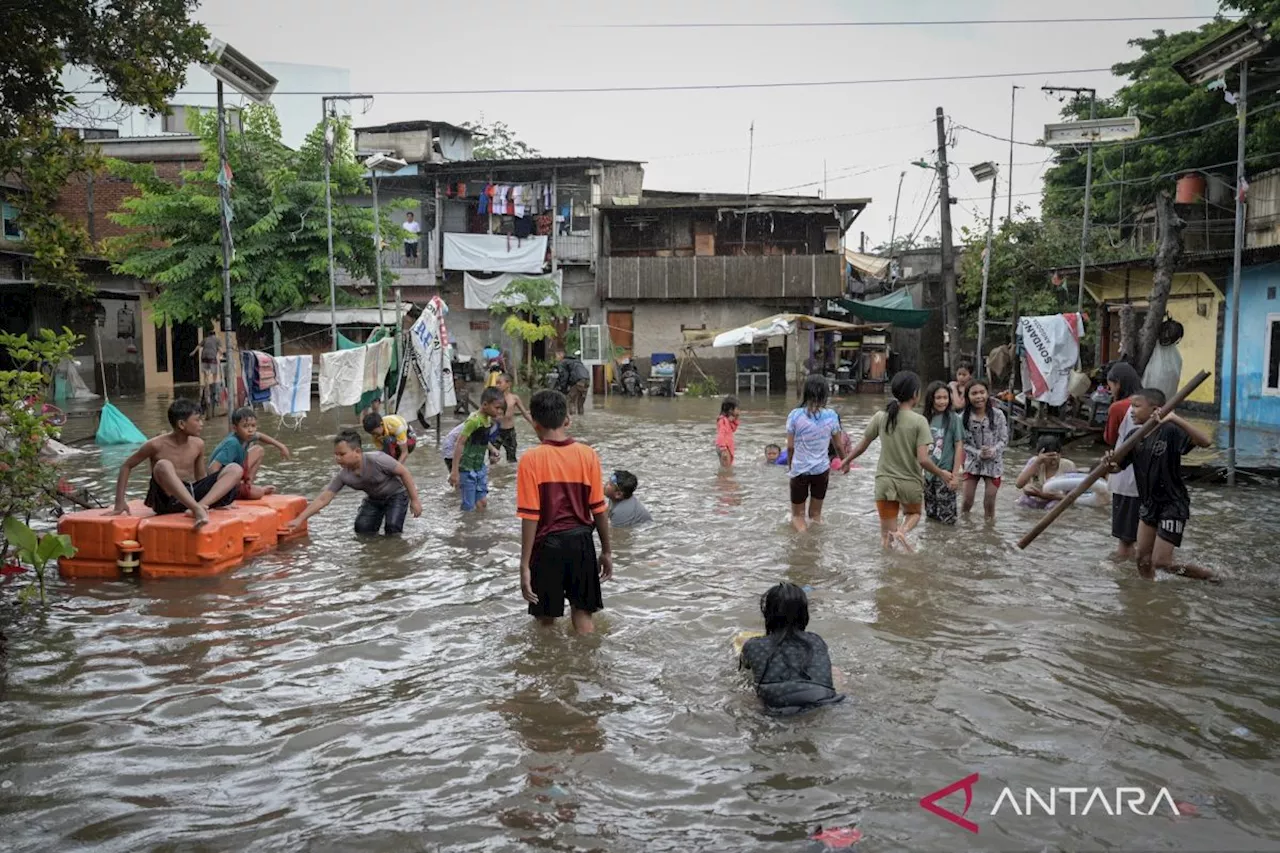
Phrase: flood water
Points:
(392, 695)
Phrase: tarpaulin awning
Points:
(778, 324)
(345, 316)
(896, 308)
(479, 293)
(871, 265)
(494, 253)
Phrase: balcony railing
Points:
(751, 277)
(574, 248)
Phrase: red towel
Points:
(266, 370)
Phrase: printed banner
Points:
(426, 374)
(1050, 350)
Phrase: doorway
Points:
(186, 367)
(621, 332)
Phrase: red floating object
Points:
(838, 838)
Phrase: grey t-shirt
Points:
(629, 512)
(376, 477)
(209, 348)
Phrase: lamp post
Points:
(229, 65)
(330, 143)
(1233, 49)
(384, 164)
(985, 172)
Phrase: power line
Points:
(690, 87)
(960, 22)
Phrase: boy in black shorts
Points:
(561, 505)
(1164, 507)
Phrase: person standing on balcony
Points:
(411, 231)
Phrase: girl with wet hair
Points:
(905, 441)
(726, 426)
(790, 666)
(946, 448)
(986, 436)
(810, 431)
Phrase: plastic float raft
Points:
(169, 546)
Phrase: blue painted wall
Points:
(1252, 406)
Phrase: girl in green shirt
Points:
(904, 449)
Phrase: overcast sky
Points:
(863, 135)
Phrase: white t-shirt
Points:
(414, 229)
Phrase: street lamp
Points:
(230, 66)
(384, 164)
(1236, 46)
(982, 173)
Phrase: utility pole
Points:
(1242, 117)
(1088, 183)
(746, 207)
(330, 143)
(1013, 106)
(224, 206)
(952, 305)
(893, 229)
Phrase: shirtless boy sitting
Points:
(178, 476)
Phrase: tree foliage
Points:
(27, 482)
(497, 141)
(1127, 176)
(136, 50)
(531, 307)
(45, 159)
(278, 227)
(1025, 251)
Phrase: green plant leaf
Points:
(20, 535)
(54, 545)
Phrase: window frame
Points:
(1272, 321)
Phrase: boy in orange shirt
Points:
(560, 503)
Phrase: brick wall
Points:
(88, 202)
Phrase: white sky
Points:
(698, 140)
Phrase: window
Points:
(9, 215)
(1273, 356)
(592, 350)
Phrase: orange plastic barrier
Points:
(157, 546)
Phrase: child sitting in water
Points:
(1043, 467)
(241, 447)
(791, 667)
(775, 455)
(726, 426)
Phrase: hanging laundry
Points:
(462, 190)
(523, 226)
(341, 378)
(426, 378)
(482, 206)
(253, 392)
(266, 370)
(450, 191)
(377, 363)
(291, 394)
(517, 202)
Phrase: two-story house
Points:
(675, 262)
(484, 223)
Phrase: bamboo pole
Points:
(1120, 452)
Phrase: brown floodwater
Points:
(391, 694)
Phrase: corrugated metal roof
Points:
(411, 126)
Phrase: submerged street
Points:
(391, 694)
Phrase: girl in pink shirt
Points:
(726, 425)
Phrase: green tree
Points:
(278, 226)
(1025, 251)
(531, 307)
(136, 50)
(497, 141)
(27, 482)
(1127, 176)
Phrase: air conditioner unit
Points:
(240, 72)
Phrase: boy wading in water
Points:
(388, 486)
(178, 477)
(560, 503)
(507, 423)
(1164, 506)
